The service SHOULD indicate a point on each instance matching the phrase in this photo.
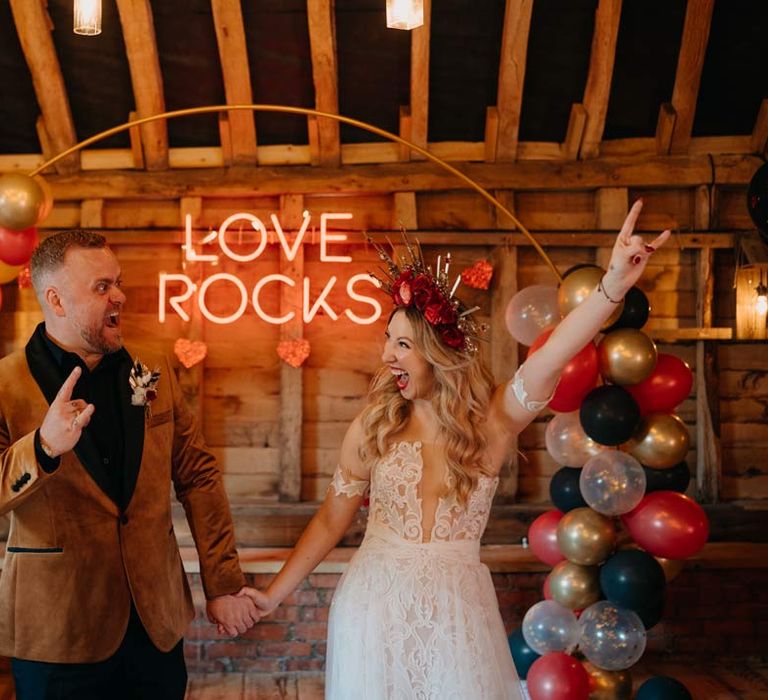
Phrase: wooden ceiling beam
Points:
(34, 29)
(651, 171)
(598, 88)
(146, 78)
(690, 63)
(420, 81)
(236, 72)
(509, 98)
(322, 41)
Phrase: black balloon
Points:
(635, 313)
(674, 478)
(609, 415)
(522, 654)
(663, 688)
(651, 614)
(757, 200)
(632, 579)
(564, 490)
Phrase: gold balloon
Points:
(21, 201)
(608, 685)
(9, 272)
(577, 286)
(661, 441)
(45, 210)
(574, 586)
(672, 567)
(585, 537)
(626, 356)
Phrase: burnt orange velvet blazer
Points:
(74, 557)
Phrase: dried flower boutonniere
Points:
(143, 383)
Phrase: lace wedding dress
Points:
(417, 618)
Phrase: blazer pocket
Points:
(35, 550)
(159, 418)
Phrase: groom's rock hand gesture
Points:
(66, 417)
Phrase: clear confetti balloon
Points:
(550, 626)
(567, 442)
(530, 311)
(612, 638)
(612, 482)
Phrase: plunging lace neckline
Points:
(395, 500)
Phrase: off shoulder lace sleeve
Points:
(522, 395)
(346, 483)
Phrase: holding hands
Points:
(235, 614)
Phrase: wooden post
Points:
(708, 452)
(503, 348)
(291, 378)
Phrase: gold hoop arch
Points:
(311, 112)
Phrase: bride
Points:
(415, 615)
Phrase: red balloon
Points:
(668, 524)
(577, 379)
(16, 246)
(542, 537)
(557, 676)
(667, 386)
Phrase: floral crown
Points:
(412, 284)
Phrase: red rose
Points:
(401, 289)
(150, 395)
(452, 336)
(432, 314)
(440, 312)
(424, 292)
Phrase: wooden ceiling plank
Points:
(236, 73)
(137, 150)
(664, 128)
(651, 171)
(420, 81)
(509, 98)
(575, 132)
(598, 88)
(146, 78)
(690, 63)
(322, 40)
(760, 131)
(34, 29)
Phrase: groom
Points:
(93, 596)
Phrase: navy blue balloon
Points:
(632, 579)
(651, 614)
(522, 654)
(609, 414)
(663, 688)
(757, 200)
(674, 478)
(564, 491)
(635, 312)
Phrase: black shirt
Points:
(99, 387)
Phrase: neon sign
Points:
(290, 249)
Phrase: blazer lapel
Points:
(47, 373)
(133, 432)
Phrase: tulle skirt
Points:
(417, 622)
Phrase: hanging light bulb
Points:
(761, 303)
(405, 14)
(87, 17)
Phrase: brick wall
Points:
(709, 612)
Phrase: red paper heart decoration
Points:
(479, 275)
(293, 352)
(190, 352)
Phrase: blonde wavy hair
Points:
(461, 397)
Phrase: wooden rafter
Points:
(690, 62)
(627, 171)
(420, 80)
(34, 29)
(509, 99)
(144, 63)
(233, 53)
(322, 40)
(598, 88)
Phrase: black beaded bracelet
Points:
(601, 288)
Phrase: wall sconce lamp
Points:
(751, 289)
(87, 17)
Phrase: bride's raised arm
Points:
(516, 403)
